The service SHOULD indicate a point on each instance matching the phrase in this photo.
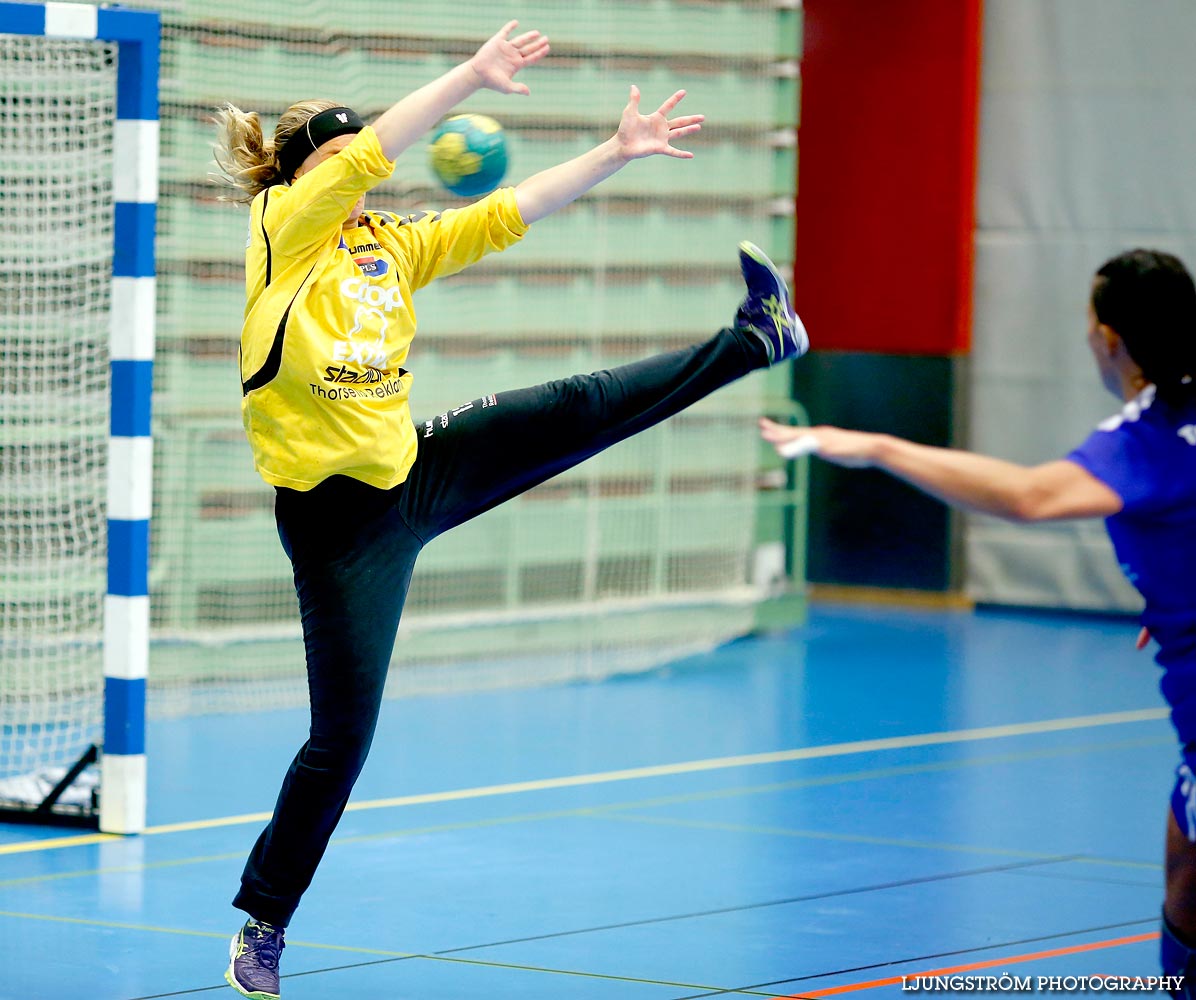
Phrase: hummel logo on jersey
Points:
(1188, 433)
(342, 118)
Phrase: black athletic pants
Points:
(353, 548)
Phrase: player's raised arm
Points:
(639, 135)
(492, 67)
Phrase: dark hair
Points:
(1148, 298)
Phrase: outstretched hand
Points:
(854, 449)
(647, 135)
(497, 62)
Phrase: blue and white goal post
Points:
(137, 33)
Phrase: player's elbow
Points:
(1028, 503)
(1061, 491)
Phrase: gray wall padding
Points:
(1087, 148)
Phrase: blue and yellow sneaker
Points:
(254, 954)
(766, 311)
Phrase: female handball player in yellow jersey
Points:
(328, 323)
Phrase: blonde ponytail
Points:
(248, 161)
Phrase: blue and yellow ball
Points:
(468, 154)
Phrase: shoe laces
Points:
(268, 947)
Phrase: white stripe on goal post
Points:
(130, 469)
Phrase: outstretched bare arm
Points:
(964, 479)
(639, 135)
(492, 67)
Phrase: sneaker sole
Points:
(255, 995)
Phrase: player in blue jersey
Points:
(1138, 471)
(330, 316)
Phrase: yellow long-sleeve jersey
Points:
(329, 317)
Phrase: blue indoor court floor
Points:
(885, 791)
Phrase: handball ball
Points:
(468, 154)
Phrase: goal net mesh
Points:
(57, 106)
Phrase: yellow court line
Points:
(81, 840)
(382, 953)
(611, 811)
(844, 838)
(655, 771)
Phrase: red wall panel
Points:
(886, 182)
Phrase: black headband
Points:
(317, 131)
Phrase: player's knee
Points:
(337, 762)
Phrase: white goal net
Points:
(57, 107)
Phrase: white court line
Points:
(655, 771)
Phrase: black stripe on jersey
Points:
(408, 220)
(382, 219)
(274, 359)
(266, 236)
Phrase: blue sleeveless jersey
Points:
(1147, 455)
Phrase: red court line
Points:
(988, 964)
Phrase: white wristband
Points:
(803, 444)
